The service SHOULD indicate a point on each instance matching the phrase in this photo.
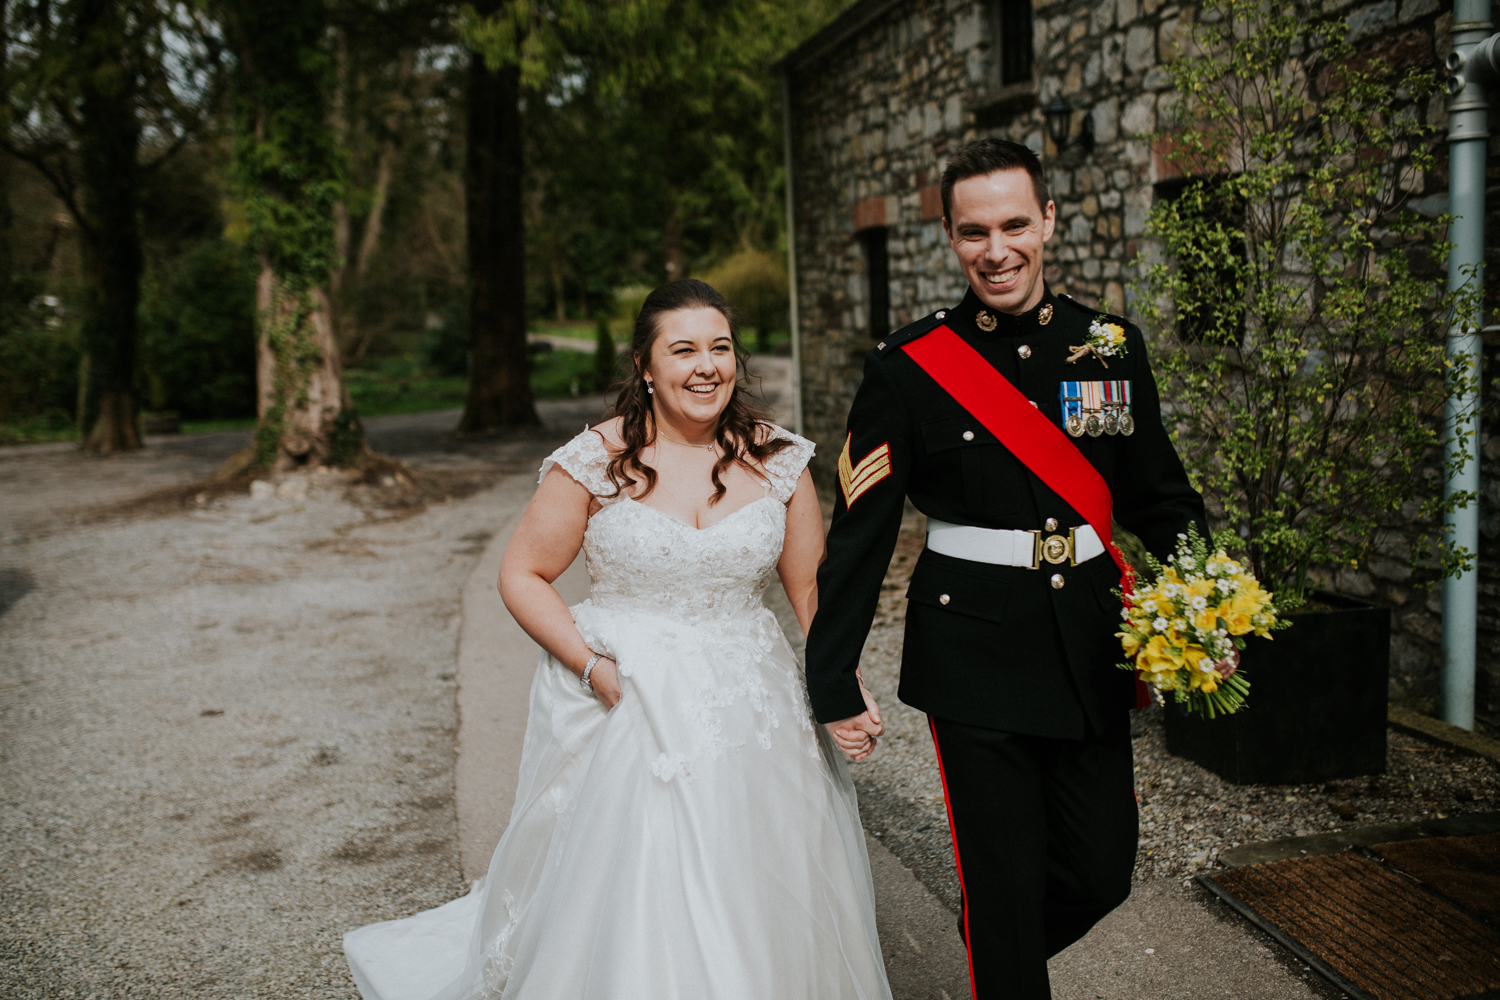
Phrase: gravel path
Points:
(1188, 814)
(226, 734)
(227, 724)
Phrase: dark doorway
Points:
(877, 279)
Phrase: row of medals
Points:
(1114, 420)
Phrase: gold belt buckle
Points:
(1057, 549)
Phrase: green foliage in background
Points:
(287, 169)
(39, 356)
(198, 334)
(755, 283)
(328, 139)
(1299, 310)
(654, 142)
(560, 374)
(606, 357)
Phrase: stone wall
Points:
(875, 111)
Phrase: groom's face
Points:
(997, 227)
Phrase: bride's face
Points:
(692, 366)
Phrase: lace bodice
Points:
(643, 560)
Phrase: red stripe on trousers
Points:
(957, 861)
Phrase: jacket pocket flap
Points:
(954, 432)
(939, 581)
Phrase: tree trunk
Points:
(369, 241)
(287, 159)
(108, 149)
(306, 418)
(499, 383)
(671, 240)
(7, 214)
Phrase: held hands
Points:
(605, 679)
(856, 735)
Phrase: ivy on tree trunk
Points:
(290, 175)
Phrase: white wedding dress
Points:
(699, 841)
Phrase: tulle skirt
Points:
(700, 840)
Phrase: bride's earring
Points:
(650, 389)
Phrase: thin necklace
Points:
(685, 444)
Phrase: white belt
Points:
(1006, 547)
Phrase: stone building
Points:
(878, 99)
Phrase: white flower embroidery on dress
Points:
(497, 963)
(666, 768)
(706, 587)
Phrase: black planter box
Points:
(1316, 708)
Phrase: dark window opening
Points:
(1015, 42)
(1207, 282)
(877, 280)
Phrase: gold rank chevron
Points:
(854, 480)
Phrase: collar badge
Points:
(1045, 315)
(985, 321)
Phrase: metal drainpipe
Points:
(1474, 65)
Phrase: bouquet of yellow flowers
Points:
(1185, 631)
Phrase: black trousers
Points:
(1044, 832)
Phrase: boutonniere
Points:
(1106, 340)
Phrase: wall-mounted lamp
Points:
(1060, 122)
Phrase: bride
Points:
(682, 828)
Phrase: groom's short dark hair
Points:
(987, 156)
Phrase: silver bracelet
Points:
(588, 668)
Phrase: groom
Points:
(1017, 421)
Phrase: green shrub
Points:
(447, 349)
(198, 334)
(562, 373)
(38, 369)
(755, 283)
(1299, 327)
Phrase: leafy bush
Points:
(198, 334)
(1298, 309)
(755, 283)
(562, 373)
(39, 356)
(447, 349)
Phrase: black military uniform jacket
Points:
(993, 646)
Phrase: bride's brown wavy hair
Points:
(739, 433)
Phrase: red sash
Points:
(1040, 444)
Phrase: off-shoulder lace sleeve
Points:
(587, 460)
(786, 465)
